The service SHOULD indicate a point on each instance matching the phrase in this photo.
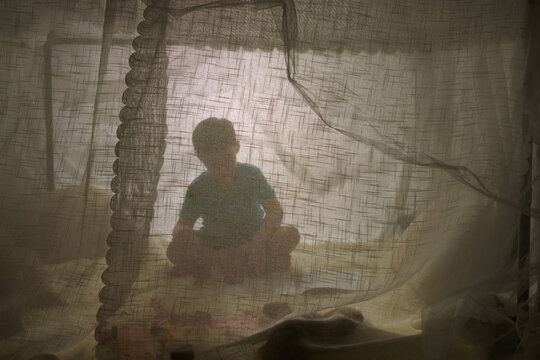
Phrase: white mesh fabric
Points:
(392, 133)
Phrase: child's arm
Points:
(272, 219)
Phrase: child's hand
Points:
(178, 230)
(185, 233)
(182, 226)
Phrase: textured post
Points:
(140, 151)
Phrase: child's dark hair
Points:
(213, 134)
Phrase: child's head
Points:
(216, 146)
(213, 134)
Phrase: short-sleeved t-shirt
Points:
(234, 217)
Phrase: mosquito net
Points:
(365, 187)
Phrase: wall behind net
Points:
(402, 85)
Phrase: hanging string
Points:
(49, 131)
(461, 173)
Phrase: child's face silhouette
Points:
(221, 164)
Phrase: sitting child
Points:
(241, 231)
